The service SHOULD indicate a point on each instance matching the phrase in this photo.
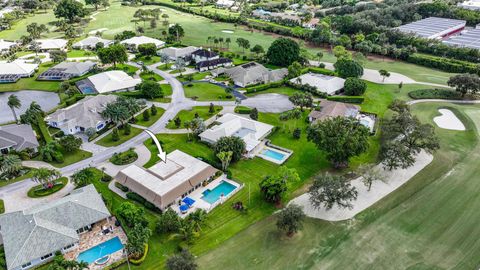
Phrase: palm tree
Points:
(45, 176)
(130, 104)
(10, 164)
(225, 158)
(48, 151)
(14, 103)
(197, 218)
(188, 126)
(115, 113)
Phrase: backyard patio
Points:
(100, 232)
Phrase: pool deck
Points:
(286, 152)
(95, 237)
(201, 204)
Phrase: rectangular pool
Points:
(224, 188)
(106, 248)
(273, 154)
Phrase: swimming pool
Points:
(273, 154)
(224, 188)
(106, 248)
(88, 90)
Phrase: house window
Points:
(84, 229)
(46, 256)
(26, 265)
(68, 247)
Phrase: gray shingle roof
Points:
(46, 228)
(17, 136)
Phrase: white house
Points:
(323, 83)
(174, 53)
(224, 3)
(13, 71)
(133, 43)
(90, 43)
(82, 115)
(52, 44)
(6, 46)
(250, 131)
(109, 81)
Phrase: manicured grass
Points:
(284, 90)
(108, 142)
(38, 191)
(80, 53)
(73, 157)
(124, 158)
(154, 59)
(2, 206)
(31, 83)
(202, 111)
(153, 118)
(195, 77)
(130, 70)
(206, 91)
(150, 76)
(164, 67)
(418, 225)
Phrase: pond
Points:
(46, 100)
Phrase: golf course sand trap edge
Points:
(448, 120)
(393, 180)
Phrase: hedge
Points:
(43, 129)
(445, 64)
(140, 261)
(434, 94)
(347, 99)
(242, 110)
(318, 70)
(121, 187)
(115, 265)
(263, 87)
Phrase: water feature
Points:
(46, 100)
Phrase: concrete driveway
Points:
(271, 103)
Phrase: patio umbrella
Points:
(183, 207)
(189, 201)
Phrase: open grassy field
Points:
(206, 91)
(431, 222)
(152, 120)
(108, 142)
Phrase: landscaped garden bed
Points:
(124, 158)
(40, 190)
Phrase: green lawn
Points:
(206, 91)
(164, 67)
(69, 158)
(195, 77)
(150, 76)
(154, 59)
(202, 111)
(31, 83)
(431, 222)
(153, 119)
(284, 90)
(108, 142)
(130, 70)
(80, 53)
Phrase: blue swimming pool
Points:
(273, 154)
(224, 188)
(106, 248)
(88, 90)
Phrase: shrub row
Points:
(318, 70)
(263, 87)
(445, 64)
(115, 265)
(242, 110)
(347, 99)
(135, 197)
(434, 93)
(121, 187)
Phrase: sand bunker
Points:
(393, 180)
(227, 31)
(448, 120)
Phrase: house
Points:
(90, 43)
(470, 4)
(312, 24)
(252, 73)
(18, 138)
(175, 53)
(12, 71)
(85, 114)
(107, 82)
(260, 13)
(323, 83)
(250, 131)
(330, 109)
(51, 44)
(67, 70)
(204, 55)
(224, 3)
(167, 183)
(133, 43)
(32, 237)
(6, 46)
(215, 63)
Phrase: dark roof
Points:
(18, 136)
(204, 53)
(214, 62)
